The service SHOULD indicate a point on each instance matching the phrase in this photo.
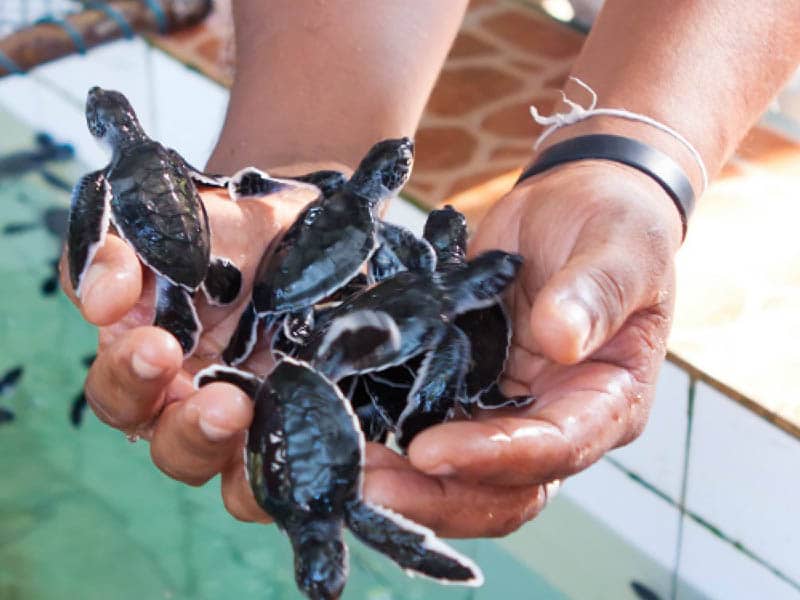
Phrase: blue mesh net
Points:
(15, 14)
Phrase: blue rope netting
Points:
(16, 14)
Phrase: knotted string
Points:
(577, 113)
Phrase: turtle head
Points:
(111, 117)
(446, 230)
(320, 566)
(384, 170)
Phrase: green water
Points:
(85, 515)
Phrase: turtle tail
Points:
(414, 547)
(482, 280)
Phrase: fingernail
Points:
(211, 424)
(575, 315)
(144, 368)
(550, 490)
(91, 277)
(442, 470)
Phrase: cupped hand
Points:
(591, 312)
(140, 384)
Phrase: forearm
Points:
(325, 80)
(708, 69)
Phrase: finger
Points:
(111, 285)
(590, 298)
(238, 496)
(127, 382)
(197, 437)
(451, 507)
(558, 438)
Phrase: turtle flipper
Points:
(373, 425)
(198, 176)
(358, 341)
(493, 398)
(328, 182)
(414, 547)
(400, 250)
(244, 337)
(252, 182)
(247, 382)
(175, 312)
(89, 215)
(223, 281)
(438, 387)
(479, 283)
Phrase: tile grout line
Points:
(683, 511)
(684, 486)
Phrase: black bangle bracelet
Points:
(665, 171)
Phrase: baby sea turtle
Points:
(424, 305)
(488, 329)
(305, 456)
(147, 192)
(326, 246)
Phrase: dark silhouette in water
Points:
(23, 162)
(8, 383)
(643, 592)
(78, 405)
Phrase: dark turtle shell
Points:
(157, 209)
(303, 449)
(322, 250)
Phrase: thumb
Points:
(585, 303)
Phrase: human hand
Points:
(140, 384)
(591, 309)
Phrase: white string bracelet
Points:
(578, 113)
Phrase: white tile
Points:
(633, 512)
(32, 101)
(712, 568)
(177, 106)
(190, 108)
(120, 65)
(657, 456)
(743, 479)
(402, 212)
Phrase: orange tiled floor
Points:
(737, 323)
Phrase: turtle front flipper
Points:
(400, 250)
(223, 281)
(252, 182)
(493, 398)
(89, 215)
(414, 547)
(244, 337)
(439, 386)
(175, 312)
(357, 342)
(198, 176)
(329, 182)
(482, 280)
(247, 382)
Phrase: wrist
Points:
(642, 132)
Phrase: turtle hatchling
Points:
(148, 193)
(304, 460)
(326, 246)
(424, 306)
